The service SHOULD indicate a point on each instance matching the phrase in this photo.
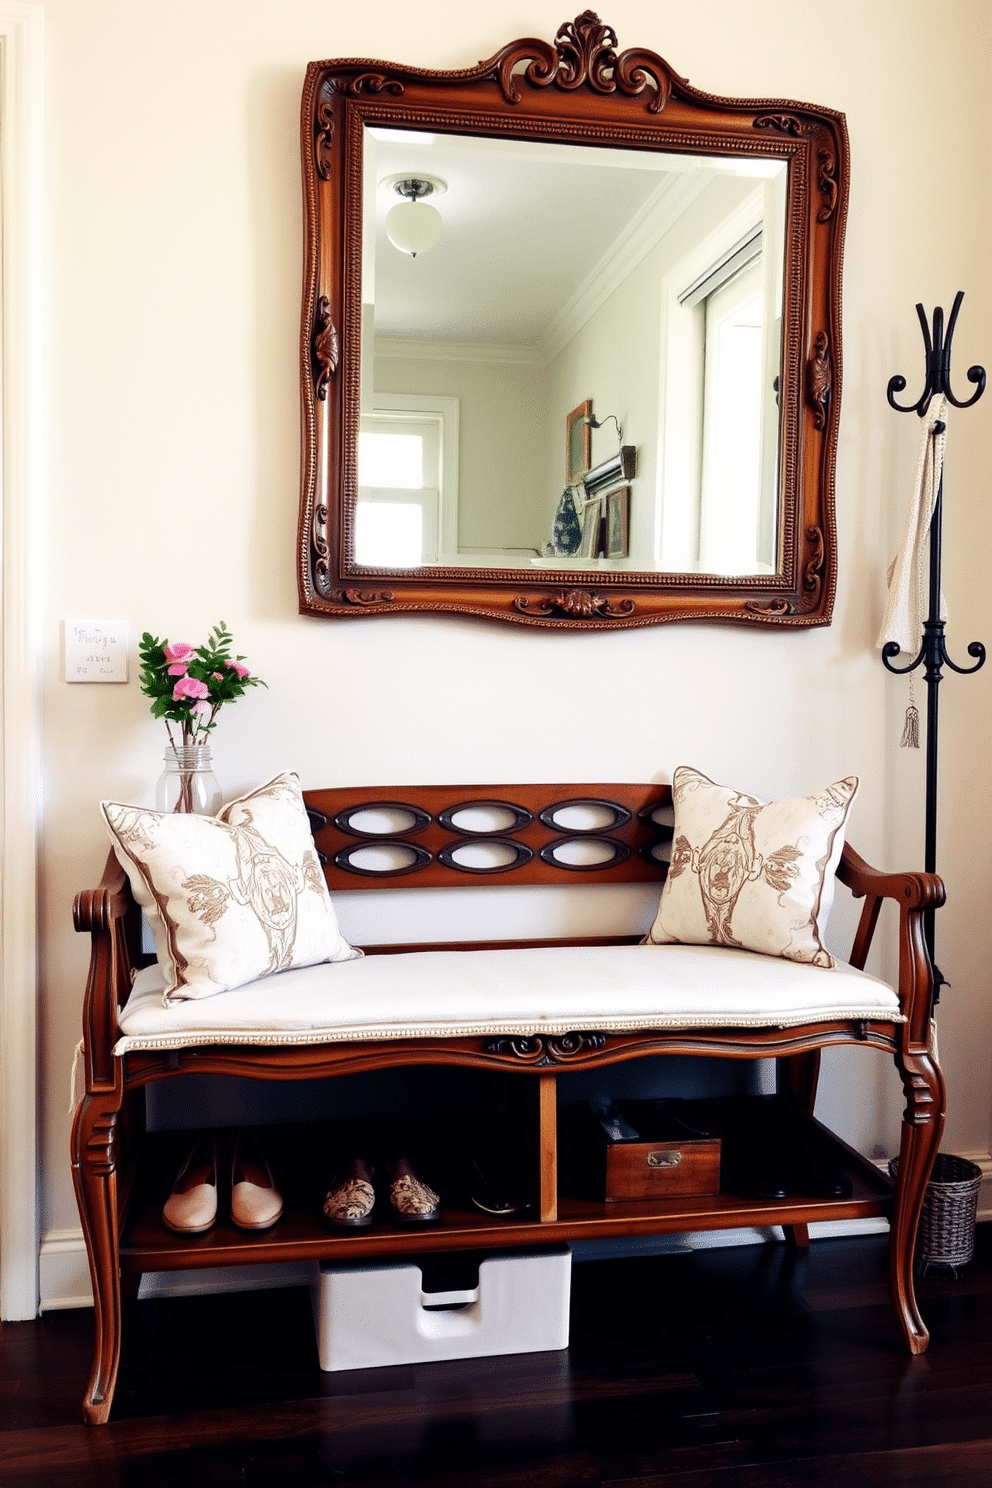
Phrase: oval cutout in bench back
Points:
(383, 860)
(487, 818)
(584, 852)
(585, 816)
(658, 852)
(659, 816)
(382, 819)
(486, 855)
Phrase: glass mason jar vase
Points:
(188, 782)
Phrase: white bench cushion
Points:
(549, 990)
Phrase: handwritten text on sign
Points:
(96, 650)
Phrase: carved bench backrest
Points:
(443, 836)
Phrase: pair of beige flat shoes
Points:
(256, 1203)
(350, 1202)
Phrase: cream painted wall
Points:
(172, 455)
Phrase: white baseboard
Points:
(65, 1279)
(984, 1161)
(679, 1244)
(224, 1279)
(65, 1275)
(64, 1271)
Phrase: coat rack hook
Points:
(937, 349)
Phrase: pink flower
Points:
(200, 707)
(178, 669)
(178, 652)
(237, 666)
(217, 676)
(189, 687)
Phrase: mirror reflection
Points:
(529, 308)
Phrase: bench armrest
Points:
(915, 894)
(113, 920)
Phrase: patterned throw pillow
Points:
(230, 898)
(752, 874)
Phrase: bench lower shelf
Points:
(303, 1234)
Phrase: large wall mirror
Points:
(571, 342)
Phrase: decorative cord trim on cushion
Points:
(523, 1029)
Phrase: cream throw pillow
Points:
(753, 874)
(230, 898)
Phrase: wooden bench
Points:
(537, 843)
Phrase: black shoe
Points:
(490, 1194)
(755, 1147)
(819, 1172)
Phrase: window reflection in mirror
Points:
(396, 517)
(730, 488)
(407, 512)
(649, 283)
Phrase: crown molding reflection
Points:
(403, 348)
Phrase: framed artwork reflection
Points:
(591, 518)
(578, 442)
(617, 517)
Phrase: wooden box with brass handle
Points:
(646, 1150)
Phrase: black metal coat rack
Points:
(933, 652)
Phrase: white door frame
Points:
(21, 137)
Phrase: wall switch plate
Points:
(95, 650)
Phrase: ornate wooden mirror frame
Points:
(579, 90)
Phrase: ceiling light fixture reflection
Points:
(411, 226)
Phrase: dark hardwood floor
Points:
(717, 1369)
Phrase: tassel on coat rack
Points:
(911, 726)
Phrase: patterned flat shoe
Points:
(350, 1202)
(411, 1200)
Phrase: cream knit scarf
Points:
(908, 574)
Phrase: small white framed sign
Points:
(95, 650)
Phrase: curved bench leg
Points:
(922, 1125)
(796, 1076)
(95, 1180)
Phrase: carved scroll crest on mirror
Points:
(671, 231)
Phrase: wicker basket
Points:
(946, 1236)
